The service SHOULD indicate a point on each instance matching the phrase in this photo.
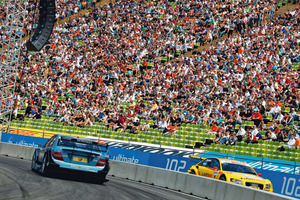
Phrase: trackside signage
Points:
(283, 183)
(23, 140)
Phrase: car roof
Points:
(225, 160)
(81, 139)
(69, 136)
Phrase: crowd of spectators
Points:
(263, 82)
(100, 61)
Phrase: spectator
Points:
(270, 135)
(291, 144)
(281, 136)
(288, 119)
(171, 129)
(230, 125)
(257, 118)
(122, 122)
(241, 133)
(225, 140)
(146, 126)
(251, 138)
(28, 111)
(295, 115)
(214, 129)
(256, 133)
(219, 138)
(233, 139)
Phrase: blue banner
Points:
(283, 183)
(23, 140)
(129, 156)
(174, 163)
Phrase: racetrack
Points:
(17, 181)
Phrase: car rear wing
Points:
(85, 141)
(195, 159)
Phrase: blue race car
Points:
(72, 153)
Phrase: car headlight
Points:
(268, 186)
(236, 181)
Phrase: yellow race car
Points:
(232, 171)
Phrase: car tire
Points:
(101, 178)
(102, 175)
(33, 162)
(193, 172)
(223, 178)
(44, 168)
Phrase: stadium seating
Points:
(186, 136)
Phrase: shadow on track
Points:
(83, 177)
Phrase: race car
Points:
(72, 153)
(232, 171)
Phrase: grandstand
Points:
(114, 66)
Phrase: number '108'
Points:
(288, 187)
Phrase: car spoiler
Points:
(84, 141)
(196, 159)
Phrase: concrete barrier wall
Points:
(191, 184)
(17, 151)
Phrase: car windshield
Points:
(81, 145)
(233, 167)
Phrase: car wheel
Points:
(44, 167)
(101, 178)
(33, 162)
(102, 175)
(193, 172)
(223, 178)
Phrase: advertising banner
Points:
(23, 140)
(174, 163)
(129, 156)
(283, 183)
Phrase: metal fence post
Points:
(160, 142)
(295, 167)
(43, 133)
(18, 130)
(262, 162)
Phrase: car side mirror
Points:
(215, 168)
(259, 174)
(197, 166)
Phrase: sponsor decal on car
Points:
(216, 173)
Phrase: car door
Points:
(204, 167)
(46, 147)
(215, 166)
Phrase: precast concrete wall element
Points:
(187, 183)
(191, 184)
(17, 151)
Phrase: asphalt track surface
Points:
(17, 181)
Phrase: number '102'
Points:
(289, 187)
(174, 165)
